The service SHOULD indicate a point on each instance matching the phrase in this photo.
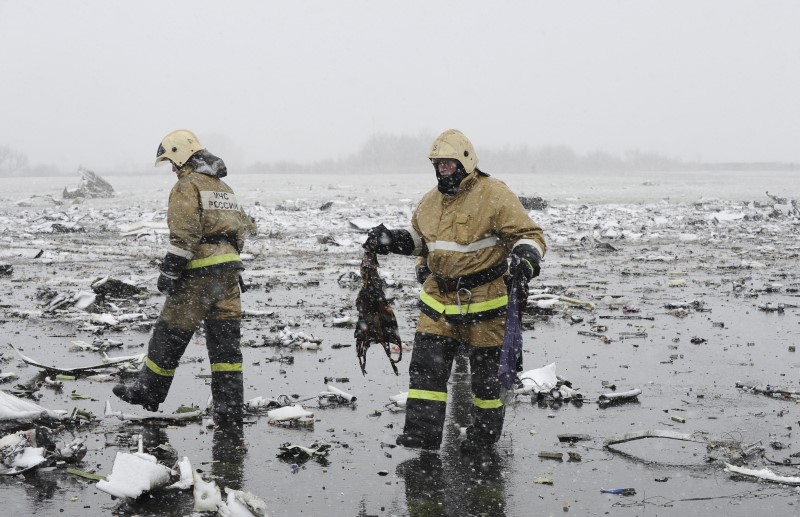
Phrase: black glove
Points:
(527, 267)
(379, 240)
(167, 285)
(383, 241)
(422, 272)
(171, 269)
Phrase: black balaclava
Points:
(206, 163)
(449, 185)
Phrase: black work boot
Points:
(227, 391)
(135, 395)
(223, 339)
(413, 441)
(476, 441)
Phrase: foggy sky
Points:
(99, 83)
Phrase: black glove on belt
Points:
(171, 269)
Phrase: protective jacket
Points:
(205, 223)
(467, 238)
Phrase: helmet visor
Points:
(160, 158)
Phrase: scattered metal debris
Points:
(108, 362)
(618, 491)
(91, 186)
(607, 399)
(290, 414)
(763, 474)
(729, 449)
(770, 391)
(179, 416)
(15, 411)
(533, 202)
(300, 454)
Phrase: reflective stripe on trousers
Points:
(429, 371)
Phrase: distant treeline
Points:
(407, 154)
(397, 153)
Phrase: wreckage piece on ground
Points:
(134, 474)
(609, 399)
(15, 411)
(533, 202)
(182, 415)
(120, 363)
(108, 287)
(763, 475)
(18, 454)
(91, 186)
(295, 412)
(334, 396)
(21, 451)
(725, 449)
(769, 391)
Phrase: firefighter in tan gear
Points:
(200, 276)
(465, 230)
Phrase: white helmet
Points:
(178, 147)
(453, 145)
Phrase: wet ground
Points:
(729, 257)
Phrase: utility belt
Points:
(453, 284)
(222, 238)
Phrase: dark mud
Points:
(732, 268)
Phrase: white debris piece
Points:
(207, 497)
(256, 313)
(765, 474)
(333, 390)
(344, 321)
(541, 379)
(144, 228)
(189, 415)
(399, 400)
(83, 300)
(186, 480)
(260, 403)
(105, 319)
(134, 474)
(293, 412)
(725, 216)
(654, 258)
(550, 303)
(362, 224)
(18, 454)
(8, 376)
(15, 409)
(119, 362)
(135, 359)
(242, 504)
(286, 337)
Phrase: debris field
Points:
(660, 362)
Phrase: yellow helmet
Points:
(178, 147)
(453, 145)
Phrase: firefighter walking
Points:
(464, 230)
(200, 277)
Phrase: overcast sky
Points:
(100, 82)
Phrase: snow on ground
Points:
(687, 279)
